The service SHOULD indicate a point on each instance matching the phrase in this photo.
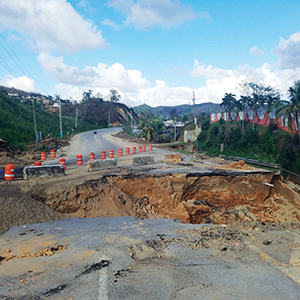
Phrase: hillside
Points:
(265, 143)
(17, 121)
(181, 110)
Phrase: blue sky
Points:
(152, 51)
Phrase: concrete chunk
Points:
(43, 171)
(142, 160)
(99, 164)
(174, 157)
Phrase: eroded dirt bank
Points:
(190, 198)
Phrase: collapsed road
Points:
(192, 230)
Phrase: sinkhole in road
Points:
(192, 199)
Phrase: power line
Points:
(3, 83)
(6, 66)
(21, 68)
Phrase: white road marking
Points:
(284, 268)
(103, 281)
(295, 256)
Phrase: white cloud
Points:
(22, 83)
(256, 51)
(221, 81)
(51, 25)
(217, 83)
(100, 77)
(289, 52)
(136, 90)
(145, 13)
(163, 95)
(111, 24)
(83, 3)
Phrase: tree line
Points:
(256, 95)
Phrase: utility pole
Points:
(175, 130)
(131, 123)
(60, 122)
(195, 120)
(34, 122)
(76, 118)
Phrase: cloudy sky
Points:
(152, 51)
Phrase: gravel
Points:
(18, 208)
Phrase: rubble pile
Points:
(239, 165)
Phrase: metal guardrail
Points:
(252, 161)
(258, 163)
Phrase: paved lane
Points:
(88, 142)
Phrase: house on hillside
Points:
(13, 95)
(170, 124)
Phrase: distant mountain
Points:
(181, 110)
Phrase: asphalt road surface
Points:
(83, 144)
(124, 258)
(87, 142)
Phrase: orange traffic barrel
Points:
(9, 173)
(127, 151)
(111, 153)
(92, 156)
(103, 155)
(133, 150)
(37, 164)
(144, 148)
(120, 152)
(79, 160)
(150, 148)
(140, 148)
(62, 162)
(43, 155)
(52, 153)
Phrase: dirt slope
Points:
(18, 208)
(216, 199)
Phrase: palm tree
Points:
(228, 103)
(240, 106)
(270, 103)
(292, 108)
(257, 95)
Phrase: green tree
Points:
(291, 109)
(228, 103)
(114, 95)
(87, 95)
(257, 95)
(151, 130)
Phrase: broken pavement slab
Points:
(142, 160)
(43, 171)
(125, 258)
(99, 164)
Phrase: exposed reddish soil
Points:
(239, 165)
(216, 199)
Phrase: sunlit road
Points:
(84, 143)
(88, 142)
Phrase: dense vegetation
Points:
(262, 143)
(17, 122)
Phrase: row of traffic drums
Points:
(9, 168)
(112, 155)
